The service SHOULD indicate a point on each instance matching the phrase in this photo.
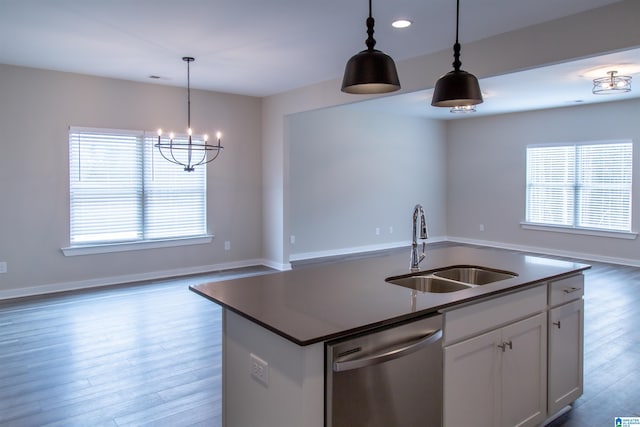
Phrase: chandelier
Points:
(189, 151)
(611, 84)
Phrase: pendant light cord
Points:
(371, 42)
(457, 18)
(188, 93)
(456, 47)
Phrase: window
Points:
(582, 186)
(123, 191)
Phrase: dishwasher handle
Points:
(387, 355)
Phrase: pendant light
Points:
(457, 88)
(370, 71)
(188, 151)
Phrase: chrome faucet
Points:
(418, 213)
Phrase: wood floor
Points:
(149, 355)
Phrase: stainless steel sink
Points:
(428, 283)
(474, 275)
(451, 279)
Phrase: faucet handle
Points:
(423, 254)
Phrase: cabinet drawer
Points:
(565, 290)
(483, 316)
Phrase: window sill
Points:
(629, 235)
(135, 246)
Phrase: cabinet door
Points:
(565, 354)
(471, 377)
(524, 372)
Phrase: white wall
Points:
(36, 109)
(486, 176)
(351, 172)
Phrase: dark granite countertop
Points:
(321, 302)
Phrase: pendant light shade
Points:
(458, 87)
(370, 71)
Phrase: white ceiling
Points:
(259, 48)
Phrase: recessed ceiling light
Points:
(401, 23)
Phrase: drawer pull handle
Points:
(571, 290)
(557, 324)
(506, 344)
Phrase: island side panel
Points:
(294, 394)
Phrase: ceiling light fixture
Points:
(611, 84)
(457, 87)
(189, 150)
(401, 23)
(370, 71)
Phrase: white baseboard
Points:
(126, 278)
(164, 274)
(276, 265)
(356, 250)
(548, 251)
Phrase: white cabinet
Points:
(471, 378)
(566, 343)
(498, 378)
(524, 372)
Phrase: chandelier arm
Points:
(172, 159)
(217, 148)
(202, 159)
(171, 152)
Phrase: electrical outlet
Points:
(292, 239)
(377, 231)
(227, 246)
(259, 369)
(391, 230)
(3, 266)
(481, 227)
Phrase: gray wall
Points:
(249, 186)
(36, 109)
(594, 32)
(353, 171)
(486, 176)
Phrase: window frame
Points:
(574, 228)
(148, 167)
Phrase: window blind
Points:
(121, 190)
(580, 185)
(174, 200)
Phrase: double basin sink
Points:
(451, 279)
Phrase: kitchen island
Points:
(276, 326)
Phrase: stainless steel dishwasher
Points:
(387, 378)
